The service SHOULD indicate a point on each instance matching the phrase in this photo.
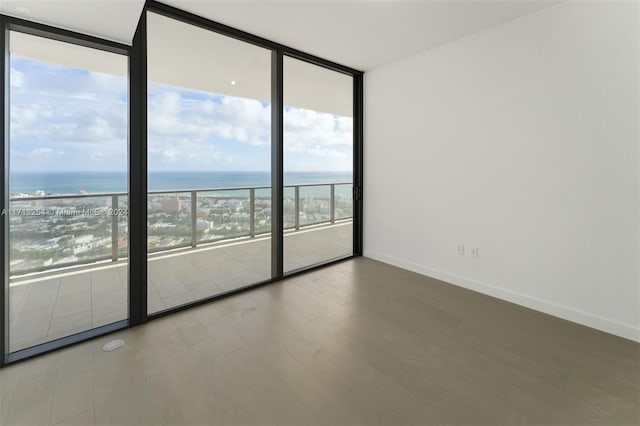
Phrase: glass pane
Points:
(318, 164)
(291, 216)
(344, 201)
(68, 219)
(209, 160)
(315, 205)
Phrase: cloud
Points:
(23, 117)
(317, 141)
(173, 113)
(185, 154)
(16, 78)
(169, 154)
(305, 128)
(70, 115)
(75, 116)
(45, 153)
(248, 119)
(313, 140)
(47, 80)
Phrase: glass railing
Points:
(54, 231)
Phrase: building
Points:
(171, 205)
(483, 266)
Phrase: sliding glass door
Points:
(137, 180)
(209, 163)
(66, 220)
(318, 165)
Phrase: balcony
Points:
(204, 242)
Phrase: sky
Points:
(65, 119)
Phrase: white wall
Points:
(521, 140)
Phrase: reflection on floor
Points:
(356, 343)
(48, 307)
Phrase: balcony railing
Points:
(49, 232)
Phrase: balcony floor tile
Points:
(52, 305)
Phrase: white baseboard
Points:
(565, 312)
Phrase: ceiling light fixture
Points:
(233, 82)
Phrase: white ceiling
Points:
(110, 19)
(210, 64)
(71, 55)
(213, 61)
(361, 34)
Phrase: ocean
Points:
(56, 183)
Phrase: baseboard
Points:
(565, 312)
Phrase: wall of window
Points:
(318, 164)
(199, 162)
(209, 163)
(65, 225)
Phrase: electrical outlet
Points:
(460, 249)
(475, 252)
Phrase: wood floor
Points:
(357, 343)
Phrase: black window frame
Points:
(11, 24)
(137, 142)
